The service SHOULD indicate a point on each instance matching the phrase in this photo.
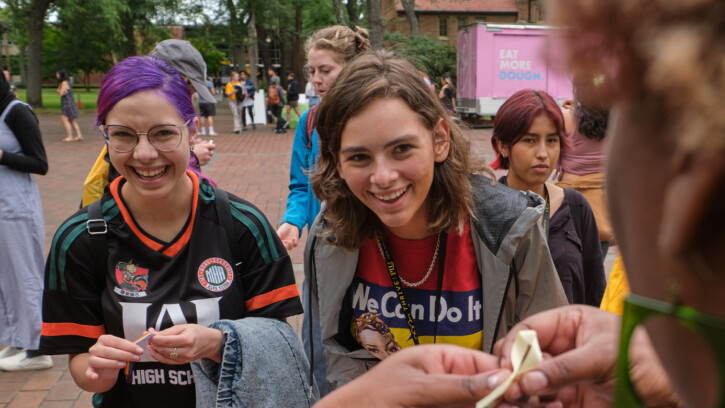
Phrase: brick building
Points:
(441, 19)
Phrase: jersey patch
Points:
(132, 280)
(215, 274)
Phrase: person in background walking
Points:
(207, 110)
(447, 94)
(69, 111)
(293, 95)
(22, 235)
(275, 102)
(233, 90)
(249, 90)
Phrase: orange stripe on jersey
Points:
(127, 217)
(184, 239)
(72, 329)
(273, 296)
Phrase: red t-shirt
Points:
(461, 319)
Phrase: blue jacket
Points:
(302, 205)
(249, 88)
(263, 365)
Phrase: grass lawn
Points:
(51, 99)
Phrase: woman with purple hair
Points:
(178, 255)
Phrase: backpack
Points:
(273, 95)
(239, 92)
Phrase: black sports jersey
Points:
(150, 283)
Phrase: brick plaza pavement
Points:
(253, 165)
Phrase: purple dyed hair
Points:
(138, 74)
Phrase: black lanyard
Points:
(397, 284)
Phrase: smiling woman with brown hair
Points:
(412, 228)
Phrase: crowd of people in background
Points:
(421, 267)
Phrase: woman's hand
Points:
(289, 234)
(110, 354)
(185, 343)
(203, 150)
(423, 376)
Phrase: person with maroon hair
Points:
(528, 138)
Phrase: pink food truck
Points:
(496, 60)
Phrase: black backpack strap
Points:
(98, 230)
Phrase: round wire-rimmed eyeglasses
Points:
(123, 139)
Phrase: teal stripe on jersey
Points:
(53, 274)
(63, 251)
(255, 231)
(57, 270)
(264, 223)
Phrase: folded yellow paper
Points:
(525, 356)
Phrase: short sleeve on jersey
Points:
(72, 311)
(269, 283)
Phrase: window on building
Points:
(461, 22)
(442, 26)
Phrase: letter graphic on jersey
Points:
(215, 274)
(132, 280)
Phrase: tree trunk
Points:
(264, 52)
(376, 25)
(339, 14)
(353, 13)
(35, 51)
(21, 65)
(409, 7)
(128, 42)
(253, 52)
(298, 59)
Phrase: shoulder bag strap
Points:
(98, 231)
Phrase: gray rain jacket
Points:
(518, 277)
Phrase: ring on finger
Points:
(174, 355)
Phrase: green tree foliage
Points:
(212, 56)
(89, 29)
(428, 55)
(317, 14)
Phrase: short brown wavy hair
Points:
(369, 77)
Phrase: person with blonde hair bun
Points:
(328, 51)
(413, 226)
